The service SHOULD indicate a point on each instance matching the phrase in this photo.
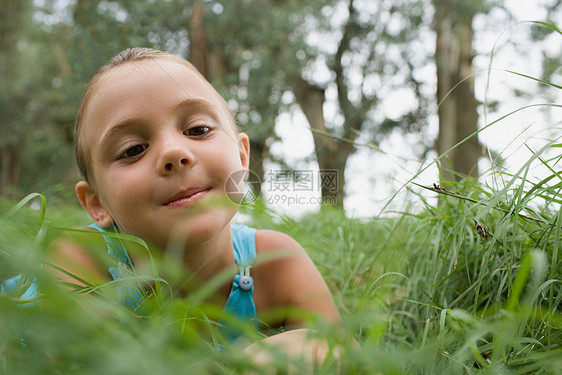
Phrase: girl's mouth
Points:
(187, 197)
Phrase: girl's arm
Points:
(75, 258)
(292, 280)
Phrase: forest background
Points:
(374, 90)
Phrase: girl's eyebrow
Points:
(199, 105)
(116, 129)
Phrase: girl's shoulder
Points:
(288, 275)
(270, 240)
(283, 256)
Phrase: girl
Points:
(156, 145)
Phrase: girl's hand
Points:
(301, 351)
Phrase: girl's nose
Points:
(173, 157)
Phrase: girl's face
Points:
(162, 146)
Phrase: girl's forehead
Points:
(144, 69)
(137, 86)
(160, 79)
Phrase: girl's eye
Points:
(134, 151)
(198, 130)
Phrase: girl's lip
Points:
(187, 197)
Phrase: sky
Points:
(377, 180)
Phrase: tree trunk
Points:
(198, 39)
(12, 19)
(331, 153)
(458, 117)
(10, 161)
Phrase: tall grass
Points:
(471, 285)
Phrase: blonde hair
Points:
(130, 55)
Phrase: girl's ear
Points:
(91, 202)
(244, 148)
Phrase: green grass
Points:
(422, 292)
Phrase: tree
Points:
(371, 58)
(458, 117)
(26, 85)
(12, 91)
(551, 69)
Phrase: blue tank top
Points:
(239, 310)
